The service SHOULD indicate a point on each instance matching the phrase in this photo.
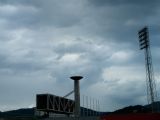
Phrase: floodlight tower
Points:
(151, 86)
(76, 94)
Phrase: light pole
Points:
(144, 44)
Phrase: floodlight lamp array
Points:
(143, 38)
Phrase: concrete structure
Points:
(77, 94)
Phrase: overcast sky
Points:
(44, 42)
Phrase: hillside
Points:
(20, 112)
(29, 112)
(138, 109)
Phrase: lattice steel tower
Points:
(150, 81)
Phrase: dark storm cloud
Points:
(39, 14)
(124, 16)
(123, 2)
(16, 16)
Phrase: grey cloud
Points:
(124, 96)
(125, 19)
(36, 38)
(41, 13)
(19, 90)
(122, 2)
(60, 15)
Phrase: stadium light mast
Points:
(151, 86)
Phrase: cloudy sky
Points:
(44, 42)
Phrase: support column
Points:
(76, 94)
